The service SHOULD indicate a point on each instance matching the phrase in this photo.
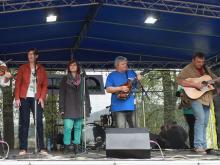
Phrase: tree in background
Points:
(52, 118)
(169, 92)
(8, 120)
(160, 101)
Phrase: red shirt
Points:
(201, 71)
(23, 81)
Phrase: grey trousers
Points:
(124, 119)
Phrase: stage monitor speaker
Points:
(128, 143)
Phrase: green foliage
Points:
(51, 113)
(160, 102)
(8, 120)
(169, 91)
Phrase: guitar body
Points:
(125, 95)
(194, 93)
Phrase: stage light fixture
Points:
(51, 18)
(151, 19)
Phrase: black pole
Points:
(35, 107)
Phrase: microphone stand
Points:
(83, 78)
(143, 93)
(35, 107)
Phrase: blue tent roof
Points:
(114, 31)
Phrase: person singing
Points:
(71, 104)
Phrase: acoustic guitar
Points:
(206, 80)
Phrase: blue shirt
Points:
(116, 79)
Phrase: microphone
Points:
(4, 63)
(8, 61)
(108, 106)
(82, 72)
(145, 71)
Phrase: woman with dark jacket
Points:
(71, 104)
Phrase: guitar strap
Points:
(126, 75)
(207, 70)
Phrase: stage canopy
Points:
(96, 31)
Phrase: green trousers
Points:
(70, 124)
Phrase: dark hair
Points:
(71, 62)
(34, 50)
(198, 55)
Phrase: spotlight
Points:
(52, 15)
(151, 19)
(51, 18)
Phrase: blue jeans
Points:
(201, 113)
(27, 105)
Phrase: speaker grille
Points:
(127, 143)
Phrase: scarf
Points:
(73, 81)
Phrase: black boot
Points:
(76, 149)
(66, 149)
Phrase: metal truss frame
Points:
(83, 31)
(171, 6)
(214, 62)
(108, 65)
(8, 6)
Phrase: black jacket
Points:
(71, 100)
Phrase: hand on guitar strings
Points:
(200, 85)
(124, 89)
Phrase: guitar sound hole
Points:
(205, 83)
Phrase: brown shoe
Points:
(22, 152)
(199, 151)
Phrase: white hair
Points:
(119, 59)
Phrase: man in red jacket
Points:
(25, 95)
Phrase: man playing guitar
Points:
(200, 106)
(122, 100)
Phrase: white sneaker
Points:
(43, 152)
(22, 152)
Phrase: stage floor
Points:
(99, 157)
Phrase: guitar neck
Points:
(214, 80)
(144, 71)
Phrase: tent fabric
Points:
(114, 31)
